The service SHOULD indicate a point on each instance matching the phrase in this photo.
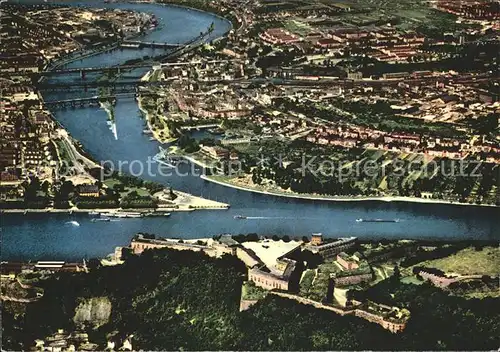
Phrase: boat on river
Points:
(240, 217)
(101, 219)
(157, 213)
(377, 220)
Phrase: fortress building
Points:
(330, 249)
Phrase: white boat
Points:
(157, 214)
(73, 223)
(133, 215)
(101, 219)
(122, 215)
(377, 220)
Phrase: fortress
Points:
(140, 243)
(329, 249)
(267, 261)
(272, 266)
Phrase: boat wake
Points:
(240, 217)
(268, 218)
(73, 223)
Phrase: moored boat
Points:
(122, 215)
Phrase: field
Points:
(469, 262)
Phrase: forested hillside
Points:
(172, 300)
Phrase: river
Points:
(46, 236)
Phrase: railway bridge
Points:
(79, 102)
(92, 101)
(84, 70)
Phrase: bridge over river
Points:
(139, 44)
(89, 101)
(79, 102)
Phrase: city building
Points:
(348, 262)
(88, 191)
(316, 239)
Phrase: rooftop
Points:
(269, 251)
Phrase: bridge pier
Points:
(82, 74)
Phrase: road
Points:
(80, 162)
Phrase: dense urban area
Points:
(314, 99)
(319, 99)
(344, 100)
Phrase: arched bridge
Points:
(82, 71)
(92, 101)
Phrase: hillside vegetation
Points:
(469, 261)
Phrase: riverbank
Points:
(194, 202)
(187, 202)
(193, 160)
(306, 196)
(168, 201)
(83, 55)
